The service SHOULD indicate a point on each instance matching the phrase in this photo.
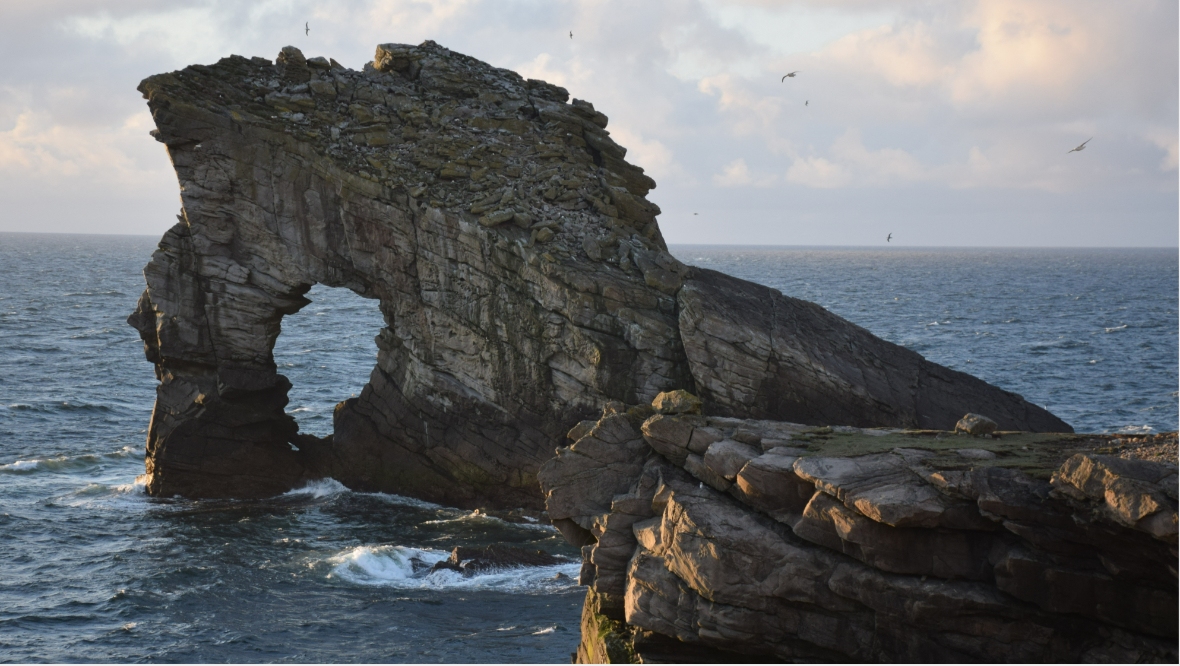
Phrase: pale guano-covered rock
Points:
(848, 544)
(519, 267)
(975, 424)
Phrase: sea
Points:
(96, 571)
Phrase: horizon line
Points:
(739, 245)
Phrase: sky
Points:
(942, 123)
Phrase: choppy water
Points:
(96, 571)
(93, 570)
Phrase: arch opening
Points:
(327, 351)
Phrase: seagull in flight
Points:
(789, 76)
(306, 29)
(1081, 147)
(889, 237)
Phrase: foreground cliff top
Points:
(721, 539)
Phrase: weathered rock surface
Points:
(847, 544)
(755, 353)
(520, 270)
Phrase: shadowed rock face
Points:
(755, 353)
(520, 270)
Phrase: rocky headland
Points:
(721, 539)
(813, 504)
(519, 267)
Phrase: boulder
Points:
(976, 425)
(470, 561)
(677, 402)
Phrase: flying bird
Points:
(889, 237)
(1081, 147)
(571, 34)
(806, 102)
(789, 76)
(306, 29)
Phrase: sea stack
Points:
(520, 269)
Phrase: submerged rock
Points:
(470, 561)
(522, 275)
(846, 544)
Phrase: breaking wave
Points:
(406, 568)
(64, 463)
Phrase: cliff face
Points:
(720, 539)
(520, 270)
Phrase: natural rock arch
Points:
(520, 270)
(327, 350)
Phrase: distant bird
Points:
(789, 76)
(306, 29)
(694, 213)
(571, 34)
(889, 237)
(807, 102)
(1081, 147)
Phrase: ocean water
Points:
(96, 571)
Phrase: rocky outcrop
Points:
(470, 561)
(518, 265)
(755, 353)
(734, 539)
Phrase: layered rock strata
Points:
(721, 539)
(518, 265)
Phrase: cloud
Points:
(737, 174)
(817, 172)
(36, 148)
(943, 101)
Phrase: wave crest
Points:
(408, 568)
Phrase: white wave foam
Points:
(330, 487)
(64, 462)
(318, 489)
(21, 466)
(106, 495)
(136, 487)
(1135, 430)
(546, 630)
(478, 516)
(402, 500)
(407, 568)
(1112, 329)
